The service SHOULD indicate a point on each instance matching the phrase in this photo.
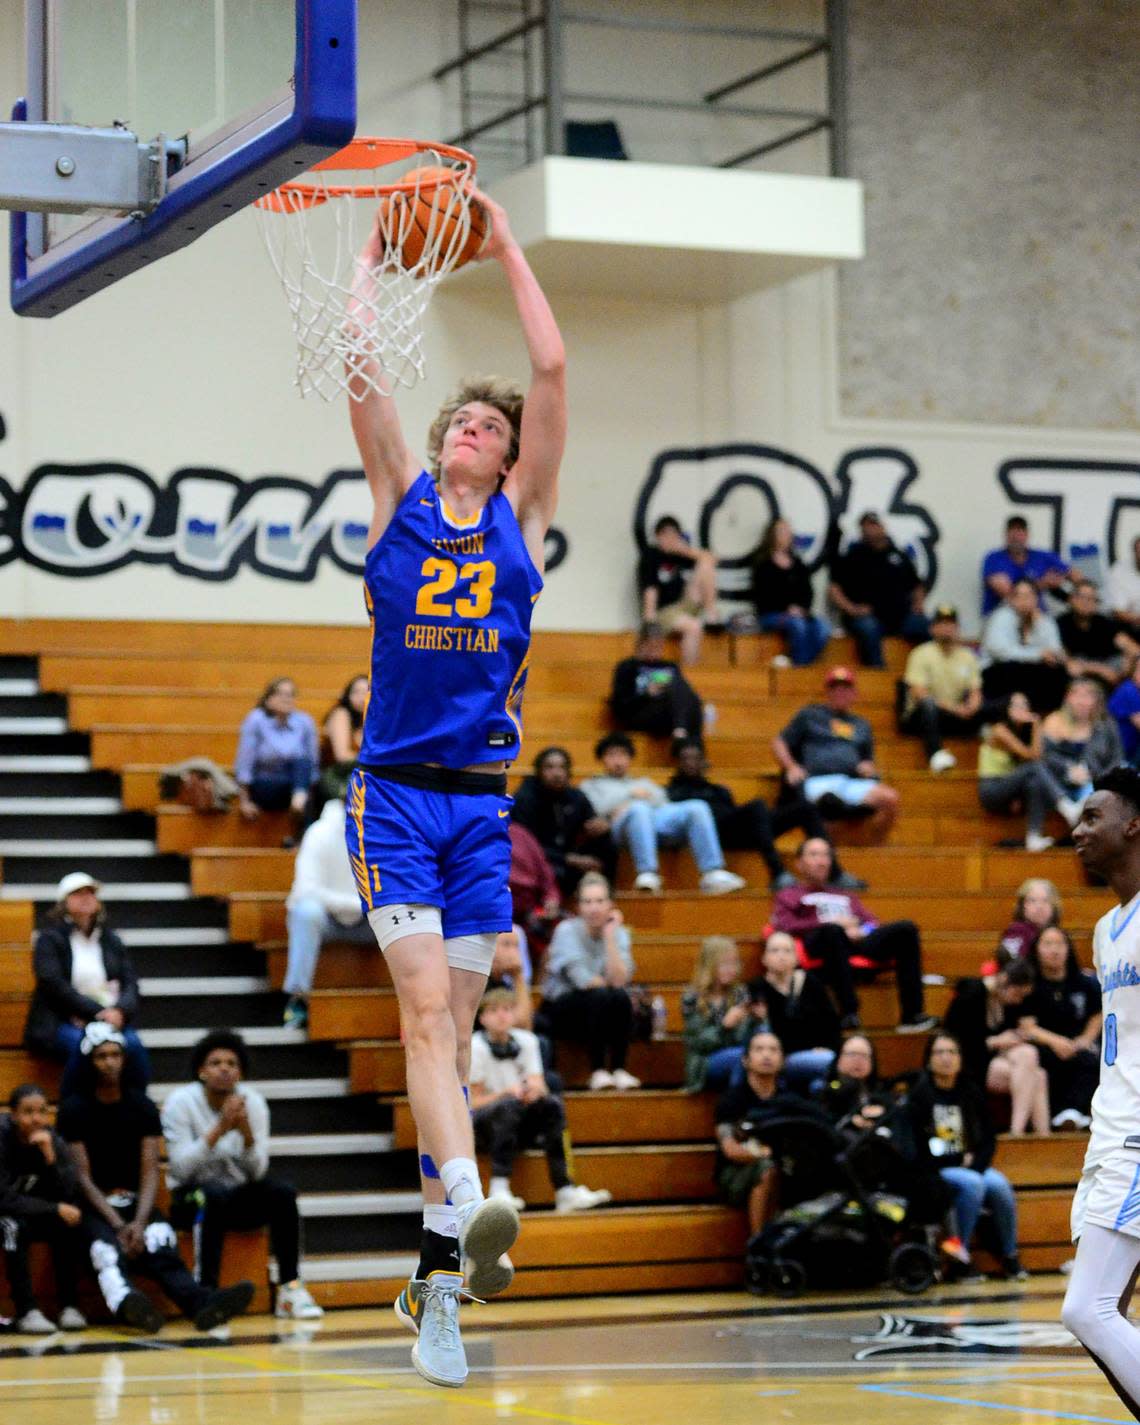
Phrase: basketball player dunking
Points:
(454, 567)
(1106, 1208)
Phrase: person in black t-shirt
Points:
(677, 586)
(650, 693)
(115, 1135)
(573, 837)
(1094, 645)
(1063, 1017)
(877, 590)
(38, 1189)
(782, 595)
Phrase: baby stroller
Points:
(840, 1226)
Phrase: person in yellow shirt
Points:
(943, 689)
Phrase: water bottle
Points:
(660, 1014)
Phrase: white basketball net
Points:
(359, 326)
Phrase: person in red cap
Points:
(828, 750)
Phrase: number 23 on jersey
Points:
(442, 575)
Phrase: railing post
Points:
(837, 84)
(553, 65)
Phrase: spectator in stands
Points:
(828, 750)
(342, 734)
(1012, 774)
(983, 1017)
(754, 825)
(1038, 905)
(853, 1097)
(217, 1136)
(782, 595)
(677, 585)
(1122, 590)
(949, 1115)
(1094, 644)
(573, 837)
(1080, 741)
(38, 1193)
(715, 1013)
(834, 925)
(324, 904)
(1021, 651)
(1062, 1017)
(1003, 568)
(83, 976)
(276, 763)
(640, 817)
(745, 1172)
(876, 589)
(585, 991)
(650, 693)
(513, 1108)
(943, 689)
(535, 899)
(1124, 705)
(115, 1136)
(799, 1013)
(511, 969)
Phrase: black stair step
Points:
(377, 1232)
(33, 705)
(93, 828)
(359, 1113)
(267, 1061)
(195, 961)
(211, 1010)
(53, 744)
(59, 784)
(24, 870)
(346, 1172)
(198, 912)
(18, 665)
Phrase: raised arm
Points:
(389, 466)
(532, 485)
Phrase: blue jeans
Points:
(136, 1069)
(721, 1066)
(806, 634)
(804, 1072)
(643, 826)
(273, 791)
(973, 1191)
(867, 632)
(309, 925)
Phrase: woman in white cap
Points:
(83, 975)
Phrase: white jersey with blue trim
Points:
(1116, 1103)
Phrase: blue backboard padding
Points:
(323, 120)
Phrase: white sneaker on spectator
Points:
(648, 881)
(1071, 1118)
(35, 1323)
(72, 1319)
(624, 1080)
(1070, 810)
(943, 760)
(576, 1198)
(294, 1300)
(781, 660)
(720, 882)
(1034, 841)
(601, 1079)
(501, 1187)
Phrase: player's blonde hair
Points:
(505, 396)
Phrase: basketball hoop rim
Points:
(364, 153)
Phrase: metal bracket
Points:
(66, 168)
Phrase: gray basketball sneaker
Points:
(487, 1231)
(438, 1354)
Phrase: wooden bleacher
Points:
(145, 705)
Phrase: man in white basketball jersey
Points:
(1106, 1208)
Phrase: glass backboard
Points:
(252, 91)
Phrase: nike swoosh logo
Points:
(504, 813)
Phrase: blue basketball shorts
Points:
(411, 846)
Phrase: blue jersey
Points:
(450, 603)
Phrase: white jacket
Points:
(322, 871)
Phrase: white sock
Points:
(460, 1178)
(440, 1218)
(500, 1187)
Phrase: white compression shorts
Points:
(464, 952)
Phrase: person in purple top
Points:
(277, 760)
(1002, 568)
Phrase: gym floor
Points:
(975, 1353)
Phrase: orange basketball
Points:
(411, 218)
